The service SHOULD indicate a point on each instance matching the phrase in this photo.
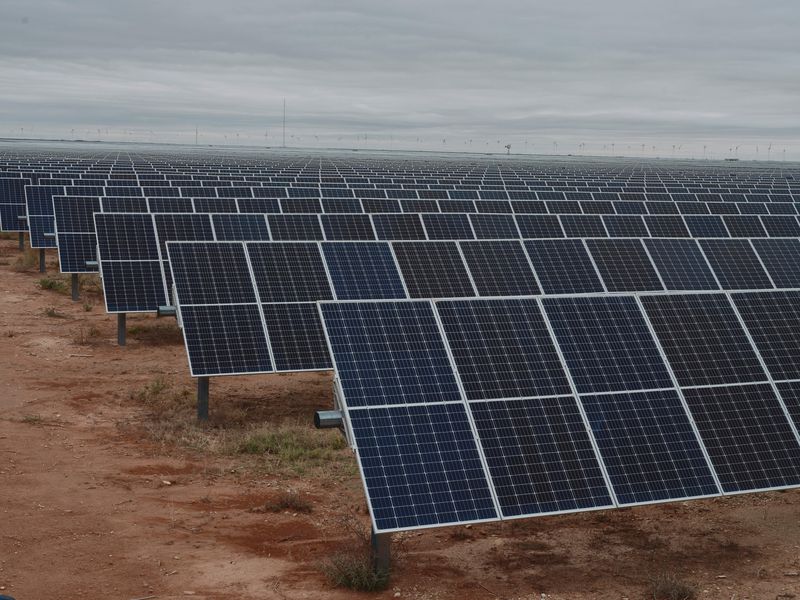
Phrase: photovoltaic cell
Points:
(773, 320)
(448, 227)
(133, 286)
(502, 349)
(347, 227)
(398, 227)
(211, 273)
(240, 227)
(363, 271)
(499, 268)
(648, 445)
(606, 344)
(494, 226)
(748, 437)
(421, 466)
(539, 455)
(295, 227)
(389, 353)
(703, 340)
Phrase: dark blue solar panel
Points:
(624, 265)
(433, 269)
(648, 445)
(630, 226)
(563, 266)
(296, 337)
(748, 437)
(583, 226)
(539, 226)
(703, 339)
(782, 261)
(494, 227)
(225, 339)
(240, 227)
(666, 226)
(169, 205)
(74, 250)
(448, 227)
(735, 264)
(790, 394)
(211, 273)
(607, 344)
(540, 456)
(124, 204)
(389, 353)
(363, 271)
(122, 236)
(681, 264)
(502, 349)
(133, 286)
(398, 227)
(295, 227)
(499, 268)
(347, 227)
(706, 226)
(289, 272)
(773, 320)
(421, 466)
(258, 205)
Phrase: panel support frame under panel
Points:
(76, 287)
(202, 398)
(21, 241)
(42, 265)
(122, 329)
(381, 545)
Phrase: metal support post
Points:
(122, 330)
(202, 398)
(22, 240)
(76, 285)
(381, 551)
(42, 265)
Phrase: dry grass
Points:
(88, 336)
(289, 501)
(55, 283)
(27, 262)
(158, 333)
(668, 587)
(53, 313)
(238, 430)
(353, 566)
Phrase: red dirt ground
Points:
(86, 512)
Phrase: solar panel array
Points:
(510, 338)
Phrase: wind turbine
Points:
(769, 150)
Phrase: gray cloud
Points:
(408, 74)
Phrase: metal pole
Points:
(381, 551)
(122, 329)
(42, 265)
(202, 398)
(75, 288)
(22, 240)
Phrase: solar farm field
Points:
(546, 377)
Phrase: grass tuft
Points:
(53, 313)
(289, 501)
(159, 333)
(54, 284)
(295, 446)
(668, 587)
(32, 419)
(91, 336)
(355, 571)
(27, 262)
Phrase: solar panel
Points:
(296, 337)
(389, 353)
(624, 265)
(289, 272)
(681, 264)
(539, 226)
(735, 264)
(421, 466)
(493, 226)
(563, 266)
(433, 269)
(649, 447)
(41, 222)
(448, 227)
(398, 227)
(363, 270)
(211, 273)
(12, 204)
(347, 227)
(74, 224)
(607, 344)
(781, 258)
(295, 227)
(540, 456)
(773, 320)
(748, 437)
(703, 340)
(502, 349)
(499, 268)
(240, 227)
(790, 394)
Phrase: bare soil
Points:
(98, 502)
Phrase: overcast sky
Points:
(427, 74)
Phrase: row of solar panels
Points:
(250, 307)
(477, 410)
